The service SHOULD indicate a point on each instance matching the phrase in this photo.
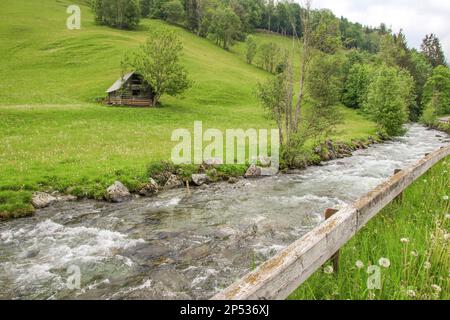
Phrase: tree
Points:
(272, 95)
(325, 35)
(252, 49)
(436, 95)
(224, 27)
(356, 85)
(174, 12)
(145, 7)
(385, 101)
(432, 50)
(324, 86)
(158, 61)
(268, 56)
(420, 70)
(121, 14)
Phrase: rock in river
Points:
(117, 193)
(253, 171)
(149, 188)
(199, 179)
(42, 200)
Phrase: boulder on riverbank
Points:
(117, 193)
(173, 182)
(200, 179)
(41, 200)
(149, 188)
(253, 171)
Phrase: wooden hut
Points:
(130, 90)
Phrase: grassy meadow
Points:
(408, 240)
(55, 135)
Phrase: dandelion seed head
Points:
(410, 293)
(359, 264)
(436, 288)
(427, 265)
(328, 270)
(414, 253)
(404, 240)
(445, 198)
(384, 262)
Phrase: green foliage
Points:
(356, 86)
(252, 49)
(121, 14)
(432, 50)
(386, 102)
(158, 61)
(231, 170)
(326, 35)
(224, 27)
(418, 267)
(269, 56)
(436, 96)
(324, 85)
(272, 96)
(420, 70)
(174, 12)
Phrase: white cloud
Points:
(415, 17)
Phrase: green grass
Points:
(418, 268)
(55, 136)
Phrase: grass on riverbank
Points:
(410, 236)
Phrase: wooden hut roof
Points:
(119, 83)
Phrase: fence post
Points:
(400, 196)
(335, 258)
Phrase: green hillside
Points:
(55, 134)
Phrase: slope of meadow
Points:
(55, 134)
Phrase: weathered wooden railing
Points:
(282, 274)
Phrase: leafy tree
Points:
(268, 56)
(432, 50)
(121, 14)
(252, 49)
(407, 91)
(420, 69)
(174, 12)
(158, 61)
(157, 9)
(224, 27)
(325, 34)
(436, 95)
(324, 85)
(272, 95)
(385, 101)
(145, 6)
(356, 85)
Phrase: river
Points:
(180, 246)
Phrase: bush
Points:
(121, 14)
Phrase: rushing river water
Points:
(179, 246)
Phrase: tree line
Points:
(226, 21)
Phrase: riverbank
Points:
(408, 241)
(160, 176)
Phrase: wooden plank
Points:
(279, 276)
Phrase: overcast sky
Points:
(415, 17)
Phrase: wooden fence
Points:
(281, 275)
